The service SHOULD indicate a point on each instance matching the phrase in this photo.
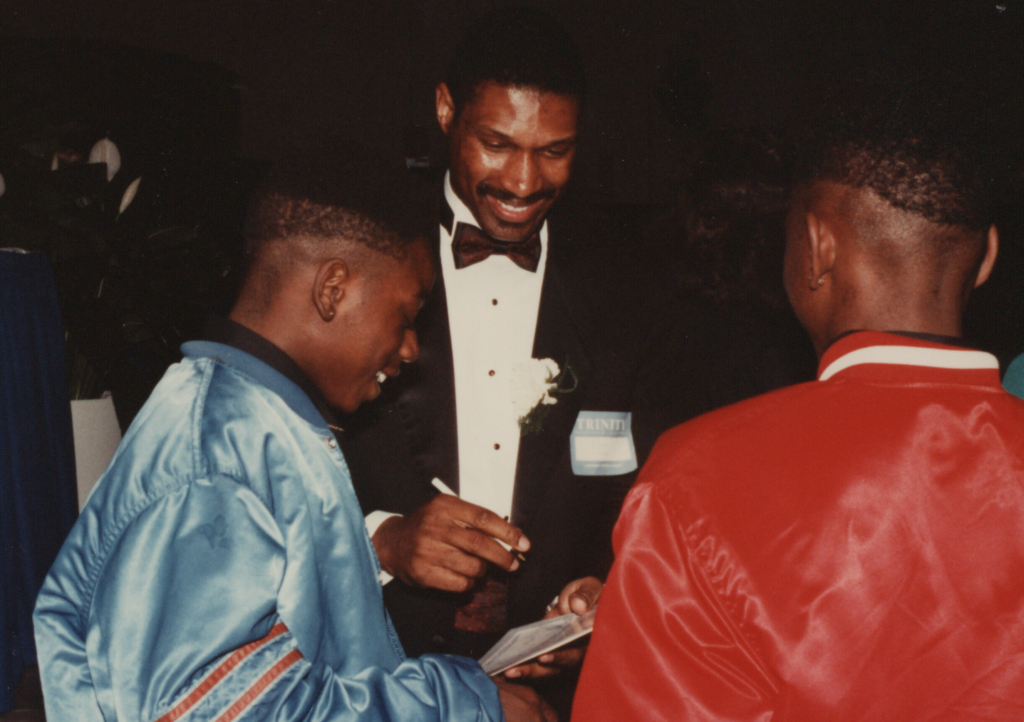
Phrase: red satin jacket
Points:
(846, 549)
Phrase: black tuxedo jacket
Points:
(597, 312)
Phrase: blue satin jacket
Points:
(221, 570)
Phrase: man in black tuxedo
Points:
(513, 285)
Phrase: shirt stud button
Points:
(497, 446)
(494, 302)
(491, 372)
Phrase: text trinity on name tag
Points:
(602, 444)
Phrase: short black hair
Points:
(919, 145)
(518, 46)
(348, 193)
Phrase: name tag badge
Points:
(601, 444)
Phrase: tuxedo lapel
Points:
(559, 336)
(426, 404)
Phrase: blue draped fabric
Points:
(38, 502)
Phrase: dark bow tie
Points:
(471, 245)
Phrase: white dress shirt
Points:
(492, 317)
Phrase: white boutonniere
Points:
(533, 386)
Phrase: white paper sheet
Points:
(532, 640)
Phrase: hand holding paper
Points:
(578, 598)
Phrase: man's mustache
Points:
(545, 194)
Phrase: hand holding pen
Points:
(447, 543)
(444, 489)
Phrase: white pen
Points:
(443, 488)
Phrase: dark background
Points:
(306, 69)
(197, 93)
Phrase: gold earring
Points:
(821, 280)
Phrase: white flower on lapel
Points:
(530, 385)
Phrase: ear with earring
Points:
(329, 288)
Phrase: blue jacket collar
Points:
(244, 349)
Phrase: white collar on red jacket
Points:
(873, 347)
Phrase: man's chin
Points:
(512, 232)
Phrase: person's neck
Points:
(931, 304)
(265, 324)
(919, 321)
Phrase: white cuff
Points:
(373, 521)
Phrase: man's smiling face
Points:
(511, 153)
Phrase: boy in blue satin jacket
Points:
(221, 569)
